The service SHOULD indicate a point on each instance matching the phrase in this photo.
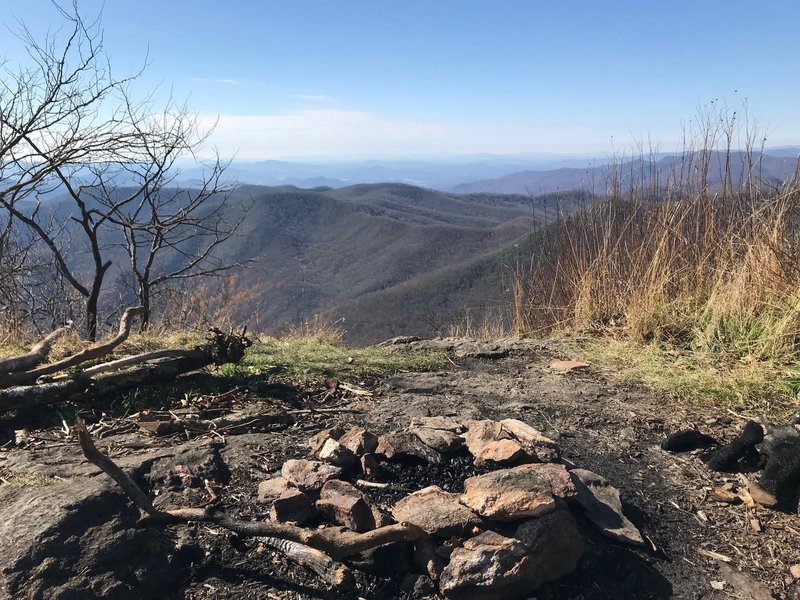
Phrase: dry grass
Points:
(708, 270)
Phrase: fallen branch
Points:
(77, 389)
(92, 353)
(37, 355)
(128, 485)
(222, 348)
(116, 365)
(334, 573)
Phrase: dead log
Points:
(222, 348)
(37, 355)
(330, 544)
(92, 353)
(116, 365)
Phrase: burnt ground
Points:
(614, 430)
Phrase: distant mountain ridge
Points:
(443, 173)
(597, 179)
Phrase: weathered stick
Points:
(336, 542)
(37, 354)
(89, 354)
(335, 573)
(128, 485)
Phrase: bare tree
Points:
(171, 231)
(68, 126)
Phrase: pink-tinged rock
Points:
(309, 475)
(343, 504)
(441, 423)
(439, 439)
(487, 566)
(292, 506)
(509, 494)
(501, 452)
(539, 446)
(603, 506)
(435, 511)
(402, 444)
(493, 566)
(567, 366)
(334, 453)
(269, 489)
(316, 442)
(359, 441)
(480, 432)
(557, 476)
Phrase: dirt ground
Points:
(610, 429)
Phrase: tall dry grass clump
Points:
(701, 250)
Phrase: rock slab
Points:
(603, 507)
(309, 475)
(344, 505)
(494, 566)
(435, 511)
(509, 494)
(403, 444)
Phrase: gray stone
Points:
(435, 511)
(554, 547)
(69, 533)
(603, 506)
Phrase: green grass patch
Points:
(312, 359)
(747, 385)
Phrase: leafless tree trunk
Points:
(67, 126)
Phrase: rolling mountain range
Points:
(366, 253)
(387, 259)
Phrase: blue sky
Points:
(379, 78)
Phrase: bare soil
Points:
(611, 429)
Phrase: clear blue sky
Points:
(411, 78)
